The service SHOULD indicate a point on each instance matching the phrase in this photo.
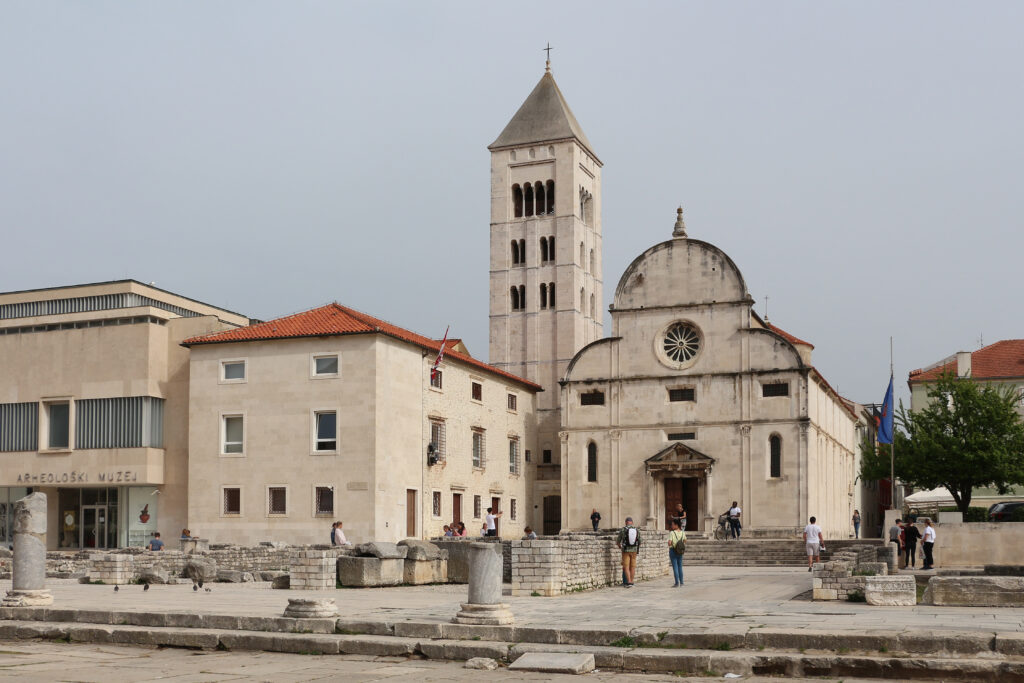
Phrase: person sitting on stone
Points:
(461, 530)
(339, 536)
(483, 531)
(530, 534)
(186, 534)
(155, 543)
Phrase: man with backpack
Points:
(629, 542)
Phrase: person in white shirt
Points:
(339, 536)
(492, 529)
(927, 543)
(815, 541)
(734, 519)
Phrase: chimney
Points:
(963, 363)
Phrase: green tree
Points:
(969, 435)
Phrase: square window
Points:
(436, 379)
(233, 434)
(775, 389)
(476, 507)
(232, 500)
(327, 431)
(58, 418)
(512, 401)
(277, 500)
(478, 391)
(682, 394)
(232, 371)
(324, 500)
(513, 509)
(325, 365)
(436, 504)
(479, 446)
(437, 438)
(592, 398)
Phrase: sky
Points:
(860, 162)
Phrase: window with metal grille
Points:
(512, 401)
(327, 431)
(233, 434)
(592, 398)
(232, 501)
(477, 391)
(437, 437)
(19, 427)
(775, 446)
(476, 507)
(513, 455)
(685, 394)
(277, 500)
(682, 436)
(479, 448)
(325, 500)
(124, 422)
(436, 503)
(513, 509)
(775, 389)
(436, 379)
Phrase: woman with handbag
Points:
(676, 548)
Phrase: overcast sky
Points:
(861, 162)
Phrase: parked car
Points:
(1001, 512)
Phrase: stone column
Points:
(484, 605)
(29, 584)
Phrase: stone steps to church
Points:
(897, 654)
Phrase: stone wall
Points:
(975, 543)
(848, 571)
(458, 555)
(574, 562)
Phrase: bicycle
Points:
(722, 531)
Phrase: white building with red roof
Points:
(1001, 363)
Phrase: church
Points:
(693, 399)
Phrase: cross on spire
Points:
(547, 62)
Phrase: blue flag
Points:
(885, 419)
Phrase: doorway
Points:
(552, 515)
(682, 491)
(410, 513)
(495, 509)
(456, 508)
(93, 529)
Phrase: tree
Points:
(969, 435)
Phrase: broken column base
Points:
(27, 598)
(484, 615)
(303, 608)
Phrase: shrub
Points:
(856, 596)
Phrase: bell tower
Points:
(545, 278)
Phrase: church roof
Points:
(1004, 359)
(335, 319)
(788, 337)
(545, 116)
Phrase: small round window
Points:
(681, 343)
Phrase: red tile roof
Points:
(995, 361)
(335, 319)
(790, 338)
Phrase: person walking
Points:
(927, 544)
(814, 539)
(676, 547)
(629, 543)
(734, 519)
(911, 536)
(856, 523)
(595, 518)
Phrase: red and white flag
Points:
(440, 355)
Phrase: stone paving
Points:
(713, 597)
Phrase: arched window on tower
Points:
(543, 295)
(592, 261)
(775, 448)
(551, 294)
(591, 305)
(528, 190)
(551, 248)
(543, 249)
(522, 251)
(517, 201)
(538, 193)
(522, 297)
(515, 252)
(550, 196)
(591, 462)
(514, 294)
(583, 255)
(583, 301)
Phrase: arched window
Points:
(515, 298)
(775, 446)
(543, 295)
(583, 254)
(592, 461)
(522, 297)
(591, 305)
(529, 200)
(517, 201)
(522, 251)
(551, 248)
(592, 261)
(515, 252)
(551, 197)
(551, 294)
(583, 300)
(538, 192)
(543, 249)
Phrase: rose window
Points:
(681, 343)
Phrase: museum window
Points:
(543, 295)
(479, 448)
(326, 430)
(324, 500)
(325, 365)
(775, 449)
(231, 497)
(437, 379)
(551, 294)
(592, 398)
(476, 507)
(513, 455)
(437, 437)
(277, 500)
(232, 434)
(551, 201)
(682, 394)
(512, 402)
(592, 462)
(476, 390)
(513, 509)
(58, 424)
(435, 507)
(775, 389)
(232, 371)
(517, 201)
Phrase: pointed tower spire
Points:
(680, 227)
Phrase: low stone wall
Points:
(458, 555)
(848, 571)
(573, 562)
(975, 543)
(975, 591)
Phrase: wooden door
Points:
(456, 508)
(673, 497)
(690, 502)
(495, 509)
(552, 515)
(410, 513)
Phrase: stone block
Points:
(370, 628)
(890, 590)
(153, 575)
(413, 629)
(370, 571)
(976, 591)
(418, 572)
(281, 581)
(461, 649)
(554, 663)
(825, 594)
(200, 569)
(422, 550)
(376, 645)
(309, 608)
(382, 551)
(482, 663)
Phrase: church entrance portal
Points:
(682, 490)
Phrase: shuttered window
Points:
(19, 427)
(129, 422)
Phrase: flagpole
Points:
(892, 446)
